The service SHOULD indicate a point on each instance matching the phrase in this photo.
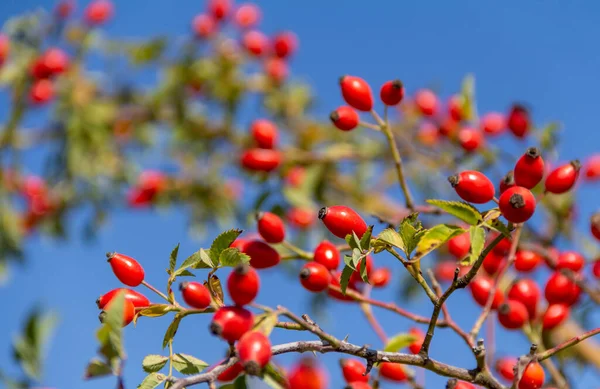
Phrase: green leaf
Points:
(477, 244)
(398, 342)
(140, 54)
(184, 273)
(411, 231)
(297, 198)
(172, 330)
(96, 368)
(345, 278)
(201, 260)
(221, 243)
(265, 323)
(274, 377)
(464, 211)
(232, 257)
(363, 270)
(435, 237)
(154, 363)
(173, 257)
(187, 364)
(155, 310)
(499, 226)
(365, 240)
(390, 237)
(152, 381)
(467, 95)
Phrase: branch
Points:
(571, 342)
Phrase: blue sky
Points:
(542, 52)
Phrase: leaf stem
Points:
(158, 292)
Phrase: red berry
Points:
(243, 284)
(239, 244)
(345, 118)
(455, 107)
(137, 299)
(231, 373)
(512, 315)
(517, 204)
(247, 15)
(353, 370)
(98, 12)
(219, 9)
(256, 43)
(315, 277)
(230, 323)
(261, 255)
(270, 227)
(204, 26)
(295, 176)
(126, 269)
(379, 278)
(595, 225)
(428, 134)
(473, 186)
(301, 217)
(4, 48)
(427, 102)
(254, 351)
(527, 260)
(393, 372)
(562, 179)
(52, 62)
(470, 139)
(444, 270)
(508, 181)
(448, 127)
(591, 167)
(263, 160)
(459, 246)
(518, 120)
(481, 287)
(327, 254)
(307, 374)
(555, 314)
(357, 93)
(561, 290)
(533, 377)
(284, 44)
(392, 92)
(529, 169)
(358, 385)
(64, 8)
(455, 384)
(503, 247)
(277, 70)
(195, 294)
(493, 123)
(570, 260)
(505, 368)
(493, 262)
(526, 292)
(41, 92)
(128, 312)
(419, 336)
(596, 269)
(335, 282)
(341, 221)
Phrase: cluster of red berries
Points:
(263, 157)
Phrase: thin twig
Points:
(571, 342)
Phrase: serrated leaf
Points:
(172, 330)
(96, 368)
(411, 231)
(477, 235)
(365, 240)
(464, 211)
(184, 273)
(154, 363)
(265, 323)
(215, 289)
(155, 310)
(363, 270)
(390, 237)
(187, 364)
(173, 257)
(435, 237)
(345, 278)
(232, 257)
(398, 342)
(152, 381)
(467, 94)
(28, 347)
(499, 226)
(203, 261)
(221, 243)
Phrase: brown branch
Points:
(571, 342)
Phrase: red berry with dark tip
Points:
(554, 316)
(526, 292)
(527, 260)
(327, 254)
(136, 298)
(460, 245)
(380, 278)
(345, 118)
(263, 160)
(265, 133)
(393, 372)
(512, 315)
(254, 351)
(52, 62)
(353, 370)
(596, 268)
(561, 290)
(518, 121)
(562, 179)
(427, 102)
(243, 284)
(533, 377)
(481, 287)
(4, 48)
(357, 93)
(307, 374)
(506, 368)
(262, 256)
(270, 227)
(517, 204)
(470, 139)
(204, 26)
(507, 182)
(529, 169)
(392, 92)
(285, 44)
(219, 9)
(315, 277)
(455, 107)
(473, 186)
(195, 294)
(231, 323)
(493, 123)
(256, 43)
(341, 221)
(126, 269)
(419, 336)
(570, 260)
(98, 12)
(595, 225)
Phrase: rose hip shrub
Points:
(445, 201)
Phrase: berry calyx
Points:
(562, 179)
(481, 287)
(512, 315)
(262, 256)
(353, 370)
(231, 323)
(533, 377)
(126, 269)
(392, 92)
(341, 221)
(517, 204)
(195, 294)
(529, 169)
(243, 284)
(393, 372)
(254, 351)
(136, 298)
(345, 118)
(473, 186)
(270, 227)
(357, 93)
(555, 315)
(265, 133)
(315, 277)
(526, 292)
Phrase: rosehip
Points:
(448, 127)
(327, 254)
(265, 133)
(295, 176)
(455, 107)
(493, 123)
(230, 323)
(256, 43)
(570, 260)
(261, 255)
(526, 292)
(126, 269)
(219, 9)
(261, 160)
(353, 370)
(503, 247)
(591, 168)
(98, 12)
(137, 299)
(470, 139)
(358, 385)
(277, 70)
(419, 336)
(341, 221)
(529, 169)
(393, 371)
(64, 8)
(52, 62)
(247, 15)
(481, 287)
(561, 290)
(285, 44)
(307, 374)
(493, 262)
(517, 204)
(315, 277)
(128, 312)
(555, 314)
(460, 245)
(512, 315)
(508, 181)
(270, 227)
(243, 284)
(596, 268)
(505, 368)
(595, 225)
(357, 93)
(427, 102)
(345, 118)
(195, 294)
(254, 351)
(204, 26)
(518, 120)
(41, 92)
(301, 217)
(4, 48)
(231, 373)
(473, 186)
(392, 92)
(562, 179)
(456, 384)
(428, 134)
(533, 377)
(444, 270)
(527, 260)
(379, 278)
